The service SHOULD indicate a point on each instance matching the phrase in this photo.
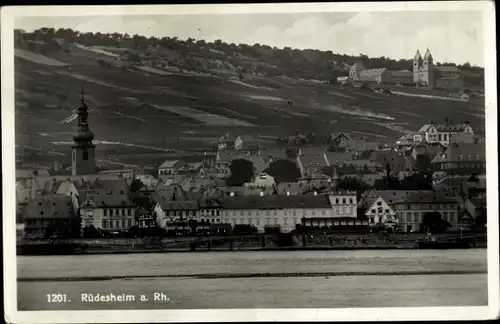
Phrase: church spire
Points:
(84, 135)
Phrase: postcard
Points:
(250, 162)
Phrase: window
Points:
(257, 222)
(104, 223)
(275, 221)
(350, 201)
(268, 221)
(105, 212)
(373, 211)
(85, 155)
(387, 211)
(336, 200)
(285, 221)
(343, 200)
(275, 212)
(379, 203)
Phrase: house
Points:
(400, 77)
(379, 76)
(338, 158)
(395, 161)
(441, 133)
(261, 181)
(106, 210)
(226, 142)
(275, 210)
(209, 211)
(247, 144)
(223, 161)
(335, 138)
(48, 215)
(408, 141)
(379, 212)
(271, 155)
(357, 146)
(118, 173)
(170, 210)
(167, 167)
(309, 164)
(461, 159)
(411, 211)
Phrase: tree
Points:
(91, 232)
(241, 171)
(433, 223)
(136, 185)
(283, 171)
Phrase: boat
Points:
(50, 248)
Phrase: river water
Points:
(389, 278)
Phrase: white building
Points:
(109, 212)
(440, 133)
(380, 213)
(286, 211)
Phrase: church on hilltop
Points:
(426, 74)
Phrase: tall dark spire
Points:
(84, 135)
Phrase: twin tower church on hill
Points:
(424, 74)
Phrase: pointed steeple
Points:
(418, 56)
(428, 56)
(84, 135)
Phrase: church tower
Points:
(83, 151)
(417, 68)
(428, 68)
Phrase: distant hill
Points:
(201, 56)
(150, 96)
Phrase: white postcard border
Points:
(8, 15)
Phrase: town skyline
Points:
(453, 37)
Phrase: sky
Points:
(451, 36)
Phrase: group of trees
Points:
(243, 171)
(295, 63)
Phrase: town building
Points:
(426, 74)
(441, 133)
(310, 164)
(412, 209)
(461, 159)
(107, 211)
(226, 142)
(50, 215)
(380, 213)
(247, 144)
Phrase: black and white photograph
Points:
(250, 162)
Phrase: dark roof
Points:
(444, 127)
(102, 198)
(390, 196)
(312, 160)
(457, 152)
(430, 197)
(373, 73)
(359, 145)
(276, 202)
(275, 154)
(339, 157)
(312, 150)
(209, 203)
(49, 207)
(113, 186)
(402, 73)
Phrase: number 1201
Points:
(57, 298)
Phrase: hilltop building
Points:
(426, 74)
(83, 151)
(359, 72)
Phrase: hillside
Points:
(160, 94)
